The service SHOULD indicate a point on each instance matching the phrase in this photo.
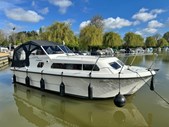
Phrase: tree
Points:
(97, 21)
(133, 40)
(162, 42)
(150, 42)
(5, 42)
(2, 37)
(90, 36)
(21, 37)
(166, 36)
(42, 33)
(157, 36)
(59, 32)
(111, 39)
(41, 30)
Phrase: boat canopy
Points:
(22, 52)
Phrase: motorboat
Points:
(53, 67)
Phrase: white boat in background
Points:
(53, 67)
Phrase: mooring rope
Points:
(149, 86)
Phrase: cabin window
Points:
(39, 52)
(67, 66)
(115, 65)
(57, 65)
(65, 49)
(86, 67)
(89, 67)
(49, 49)
(40, 64)
(58, 50)
(73, 66)
(53, 50)
(21, 54)
(120, 62)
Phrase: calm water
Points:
(25, 107)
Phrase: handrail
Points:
(90, 74)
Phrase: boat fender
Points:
(62, 89)
(14, 78)
(152, 83)
(119, 100)
(42, 84)
(90, 91)
(27, 81)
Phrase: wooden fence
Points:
(4, 61)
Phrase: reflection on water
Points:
(4, 67)
(44, 110)
(165, 57)
(150, 57)
(137, 60)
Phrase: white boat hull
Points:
(76, 86)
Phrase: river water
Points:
(25, 107)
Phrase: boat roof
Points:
(26, 49)
(41, 43)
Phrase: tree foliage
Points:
(3, 39)
(23, 36)
(150, 42)
(59, 32)
(90, 36)
(166, 36)
(97, 21)
(157, 36)
(111, 39)
(162, 42)
(133, 40)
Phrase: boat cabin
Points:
(36, 47)
(37, 54)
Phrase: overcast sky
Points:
(145, 17)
